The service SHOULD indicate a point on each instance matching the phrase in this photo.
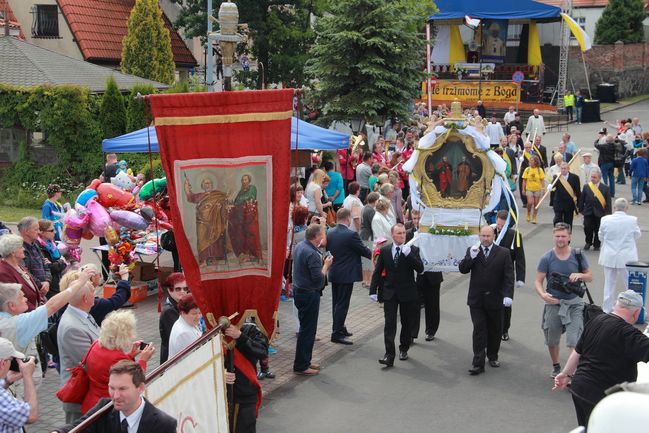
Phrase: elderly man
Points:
(510, 115)
(103, 306)
(34, 260)
(607, 354)
(14, 413)
(535, 124)
(571, 147)
(561, 150)
(20, 326)
(618, 233)
(565, 195)
(594, 203)
(77, 330)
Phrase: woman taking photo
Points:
(187, 328)
(533, 186)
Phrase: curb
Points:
(607, 110)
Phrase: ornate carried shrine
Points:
(454, 179)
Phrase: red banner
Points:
(227, 159)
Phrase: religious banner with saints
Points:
(227, 160)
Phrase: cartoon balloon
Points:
(99, 219)
(71, 236)
(76, 221)
(63, 248)
(147, 213)
(111, 236)
(87, 234)
(146, 192)
(129, 219)
(86, 195)
(123, 181)
(94, 184)
(110, 195)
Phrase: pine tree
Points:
(621, 20)
(368, 57)
(112, 113)
(146, 48)
(135, 108)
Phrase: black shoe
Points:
(387, 360)
(505, 336)
(403, 355)
(645, 201)
(430, 337)
(586, 247)
(494, 363)
(269, 375)
(261, 375)
(476, 370)
(346, 333)
(342, 340)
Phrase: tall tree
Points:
(112, 113)
(621, 20)
(280, 31)
(146, 49)
(368, 58)
(135, 107)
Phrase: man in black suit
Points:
(491, 286)
(130, 412)
(564, 195)
(594, 203)
(541, 150)
(399, 291)
(513, 241)
(565, 155)
(348, 248)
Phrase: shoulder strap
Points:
(578, 257)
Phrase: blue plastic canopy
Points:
(496, 10)
(308, 136)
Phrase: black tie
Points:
(486, 251)
(124, 426)
(396, 255)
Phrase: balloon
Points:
(71, 236)
(147, 213)
(94, 184)
(63, 248)
(87, 234)
(99, 219)
(113, 196)
(86, 195)
(123, 180)
(146, 192)
(111, 236)
(76, 221)
(129, 219)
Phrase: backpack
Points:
(619, 155)
(590, 310)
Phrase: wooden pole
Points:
(429, 91)
(590, 95)
(556, 179)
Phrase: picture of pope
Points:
(494, 45)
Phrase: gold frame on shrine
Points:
(477, 196)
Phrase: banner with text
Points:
(471, 91)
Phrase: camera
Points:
(14, 364)
(562, 283)
(143, 345)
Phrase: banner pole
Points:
(428, 89)
(590, 95)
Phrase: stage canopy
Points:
(496, 10)
(309, 137)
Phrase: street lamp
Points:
(228, 38)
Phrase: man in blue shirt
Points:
(309, 272)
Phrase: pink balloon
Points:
(129, 219)
(76, 221)
(99, 219)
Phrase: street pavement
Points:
(432, 391)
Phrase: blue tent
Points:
(496, 10)
(309, 137)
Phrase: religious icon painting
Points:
(225, 206)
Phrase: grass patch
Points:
(15, 214)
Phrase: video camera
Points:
(562, 283)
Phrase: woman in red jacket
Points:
(114, 344)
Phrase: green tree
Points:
(112, 114)
(368, 64)
(146, 49)
(280, 31)
(621, 20)
(135, 108)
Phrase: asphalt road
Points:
(432, 391)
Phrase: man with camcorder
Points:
(13, 367)
(567, 272)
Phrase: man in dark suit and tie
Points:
(513, 241)
(348, 248)
(399, 291)
(491, 286)
(130, 413)
(565, 195)
(594, 203)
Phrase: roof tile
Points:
(13, 21)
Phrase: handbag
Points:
(76, 388)
(331, 217)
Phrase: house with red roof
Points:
(90, 30)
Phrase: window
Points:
(45, 22)
(514, 32)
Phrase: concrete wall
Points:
(624, 65)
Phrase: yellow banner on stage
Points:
(487, 91)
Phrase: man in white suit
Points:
(77, 330)
(618, 233)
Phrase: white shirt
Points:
(618, 233)
(535, 123)
(509, 117)
(381, 226)
(182, 335)
(133, 419)
(394, 249)
(495, 132)
(354, 205)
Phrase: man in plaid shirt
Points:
(14, 413)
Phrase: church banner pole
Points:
(583, 59)
(429, 91)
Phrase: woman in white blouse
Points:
(187, 328)
(381, 225)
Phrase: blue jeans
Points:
(608, 176)
(637, 187)
(308, 307)
(578, 114)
